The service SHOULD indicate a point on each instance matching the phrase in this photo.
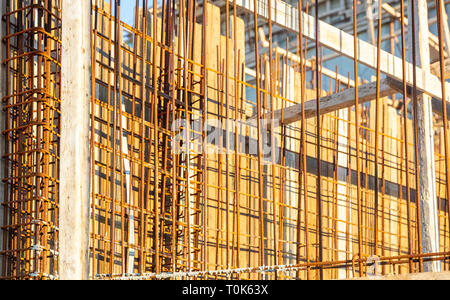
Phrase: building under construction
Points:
(224, 139)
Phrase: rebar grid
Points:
(239, 188)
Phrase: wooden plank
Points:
(346, 99)
(436, 68)
(336, 101)
(286, 16)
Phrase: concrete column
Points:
(2, 124)
(75, 151)
(427, 169)
(342, 201)
(370, 23)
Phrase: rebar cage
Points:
(31, 154)
(187, 181)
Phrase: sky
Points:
(128, 9)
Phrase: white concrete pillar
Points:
(370, 23)
(75, 151)
(427, 169)
(343, 202)
(2, 124)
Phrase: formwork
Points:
(198, 171)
